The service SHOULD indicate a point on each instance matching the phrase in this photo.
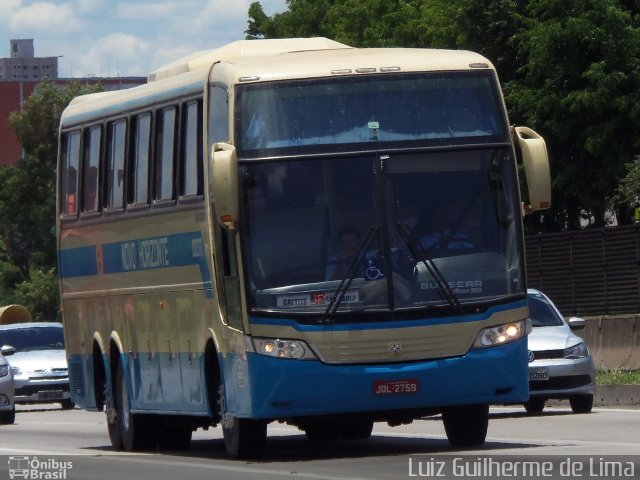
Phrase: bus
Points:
(242, 241)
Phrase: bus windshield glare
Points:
(443, 108)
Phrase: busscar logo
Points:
(35, 469)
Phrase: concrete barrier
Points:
(614, 395)
(614, 341)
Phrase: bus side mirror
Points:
(536, 169)
(224, 168)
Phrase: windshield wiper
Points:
(421, 254)
(345, 283)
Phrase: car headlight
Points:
(579, 350)
(16, 371)
(502, 334)
(282, 348)
(4, 370)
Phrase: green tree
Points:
(27, 199)
(579, 87)
(570, 69)
(628, 191)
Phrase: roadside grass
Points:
(618, 376)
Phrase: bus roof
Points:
(350, 61)
(264, 60)
(242, 49)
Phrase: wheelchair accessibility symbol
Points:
(373, 271)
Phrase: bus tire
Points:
(112, 425)
(357, 429)
(466, 425)
(243, 437)
(246, 438)
(136, 431)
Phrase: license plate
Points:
(538, 374)
(50, 396)
(395, 387)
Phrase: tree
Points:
(579, 87)
(27, 198)
(570, 69)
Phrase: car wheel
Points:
(8, 418)
(466, 425)
(581, 403)
(67, 404)
(534, 405)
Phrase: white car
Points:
(7, 405)
(560, 365)
(39, 363)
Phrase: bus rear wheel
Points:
(135, 431)
(466, 425)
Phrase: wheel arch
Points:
(101, 387)
(212, 372)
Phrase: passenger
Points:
(443, 234)
(338, 264)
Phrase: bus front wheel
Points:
(466, 425)
(243, 437)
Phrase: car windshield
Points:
(33, 338)
(378, 232)
(542, 314)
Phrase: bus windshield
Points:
(336, 113)
(380, 232)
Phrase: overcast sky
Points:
(123, 38)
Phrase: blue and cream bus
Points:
(200, 224)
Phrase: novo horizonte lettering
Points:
(145, 254)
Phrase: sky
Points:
(123, 38)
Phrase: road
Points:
(56, 437)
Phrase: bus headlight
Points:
(282, 348)
(501, 334)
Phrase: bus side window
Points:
(116, 146)
(219, 115)
(231, 279)
(139, 168)
(69, 180)
(91, 162)
(165, 154)
(191, 168)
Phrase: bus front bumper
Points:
(272, 388)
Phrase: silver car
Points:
(39, 363)
(7, 405)
(560, 365)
